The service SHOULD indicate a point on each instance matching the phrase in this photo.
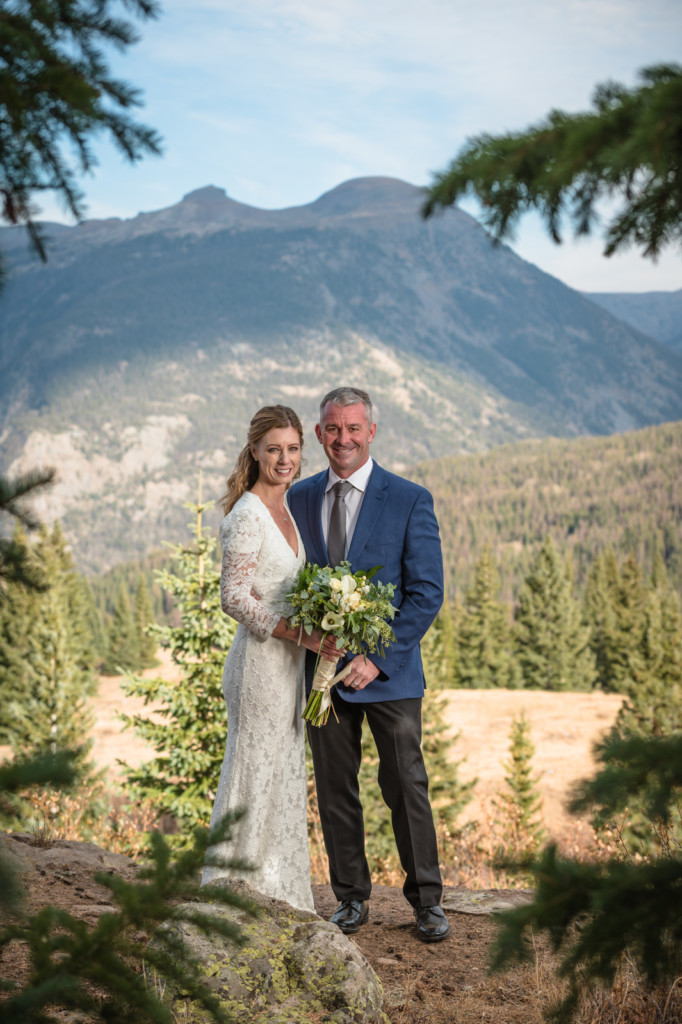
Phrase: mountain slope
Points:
(359, 259)
(658, 314)
(588, 493)
(139, 353)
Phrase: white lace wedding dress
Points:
(264, 768)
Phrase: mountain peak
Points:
(368, 195)
(208, 195)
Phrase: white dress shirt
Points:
(353, 502)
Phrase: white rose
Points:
(335, 584)
(348, 585)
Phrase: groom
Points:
(358, 511)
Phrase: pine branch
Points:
(71, 960)
(56, 88)
(627, 148)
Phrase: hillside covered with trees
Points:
(587, 494)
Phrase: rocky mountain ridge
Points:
(137, 355)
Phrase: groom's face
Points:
(345, 433)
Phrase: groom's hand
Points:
(362, 672)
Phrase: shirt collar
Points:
(359, 478)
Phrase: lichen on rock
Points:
(291, 965)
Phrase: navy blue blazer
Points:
(396, 529)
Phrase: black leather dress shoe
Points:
(432, 924)
(350, 915)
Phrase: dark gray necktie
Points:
(336, 540)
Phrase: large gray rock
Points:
(490, 901)
(68, 856)
(293, 968)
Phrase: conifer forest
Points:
(563, 575)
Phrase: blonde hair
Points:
(245, 472)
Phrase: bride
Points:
(264, 768)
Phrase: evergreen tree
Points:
(601, 595)
(80, 606)
(49, 675)
(18, 615)
(652, 705)
(524, 801)
(101, 971)
(627, 641)
(653, 685)
(645, 665)
(449, 795)
(659, 575)
(630, 146)
(485, 655)
(626, 622)
(123, 653)
(93, 621)
(145, 642)
(55, 86)
(594, 913)
(439, 649)
(107, 586)
(13, 551)
(551, 640)
(181, 780)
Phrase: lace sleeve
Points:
(241, 537)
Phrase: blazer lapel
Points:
(315, 496)
(370, 510)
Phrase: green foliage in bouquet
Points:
(349, 605)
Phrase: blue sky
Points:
(278, 101)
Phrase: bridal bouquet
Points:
(353, 608)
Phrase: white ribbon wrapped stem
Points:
(323, 681)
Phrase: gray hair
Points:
(348, 396)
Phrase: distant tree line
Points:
(620, 632)
(53, 642)
(106, 587)
(589, 494)
(622, 635)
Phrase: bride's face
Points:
(278, 454)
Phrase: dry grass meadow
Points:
(564, 727)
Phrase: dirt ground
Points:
(444, 982)
(438, 983)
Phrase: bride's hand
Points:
(329, 650)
